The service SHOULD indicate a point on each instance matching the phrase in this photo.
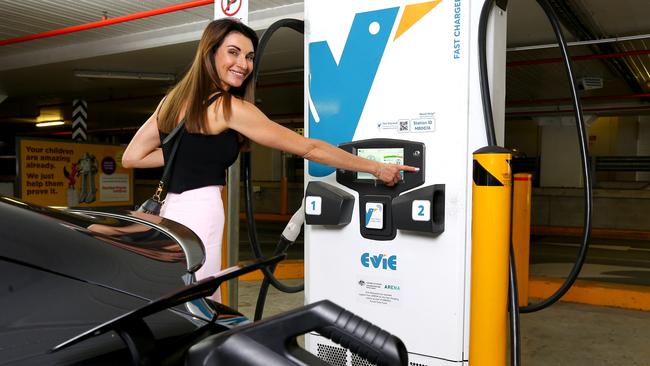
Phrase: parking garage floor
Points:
(564, 334)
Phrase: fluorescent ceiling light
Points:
(124, 75)
(49, 123)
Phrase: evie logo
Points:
(380, 261)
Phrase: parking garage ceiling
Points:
(39, 75)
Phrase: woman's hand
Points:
(391, 174)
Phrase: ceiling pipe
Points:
(561, 100)
(570, 110)
(578, 58)
(159, 96)
(106, 22)
(580, 43)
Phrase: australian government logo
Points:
(379, 292)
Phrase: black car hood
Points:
(147, 262)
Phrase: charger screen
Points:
(384, 155)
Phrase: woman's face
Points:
(234, 60)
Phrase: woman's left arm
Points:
(144, 149)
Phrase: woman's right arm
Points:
(144, 149)
(252, 123)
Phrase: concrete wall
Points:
(626, 144)
(614, 209)
(266, 163)
(602, 137)
(523, 135)
(7, 189)
(614, 136)
(643, 145)
(554, 140)
(266, 199)
(560, 159)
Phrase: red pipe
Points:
(561, 100)
(577, 58)
(103, 23)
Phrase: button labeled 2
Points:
(421, 210)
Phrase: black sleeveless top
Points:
(201, 160)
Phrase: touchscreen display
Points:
(384, 155)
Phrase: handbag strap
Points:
(167, 171)
(178, 130)
(174, 131)
(168, 165)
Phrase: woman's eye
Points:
(250, 58)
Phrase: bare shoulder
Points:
(243, 111)
(240, 110)
(241, 105)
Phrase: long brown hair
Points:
(201, 81)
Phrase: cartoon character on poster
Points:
(71, 193)
(87, 169)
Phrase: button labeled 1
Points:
(313, 205)
(421, 210)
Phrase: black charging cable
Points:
(586, 175)
(286, 239)
(252, 230)
(584, 160)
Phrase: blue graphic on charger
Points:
(374, 216)
(339, 92)
(369, 215)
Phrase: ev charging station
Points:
(397, 81)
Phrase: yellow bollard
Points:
(522, 191)
(490, 249)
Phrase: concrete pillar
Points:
(643, 145)
(626, 143)
(559, 152)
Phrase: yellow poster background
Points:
(72, 174)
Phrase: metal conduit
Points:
(570, 110)
(580, 43)
(562, 100)
(578, 58)
(106, 22)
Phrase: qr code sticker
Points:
(403, 126)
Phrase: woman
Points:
(215, 99)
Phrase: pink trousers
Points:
(201, 210)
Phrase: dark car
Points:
(81, 287)
(63, 272)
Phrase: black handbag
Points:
(154, 204)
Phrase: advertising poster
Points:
(72, 174)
